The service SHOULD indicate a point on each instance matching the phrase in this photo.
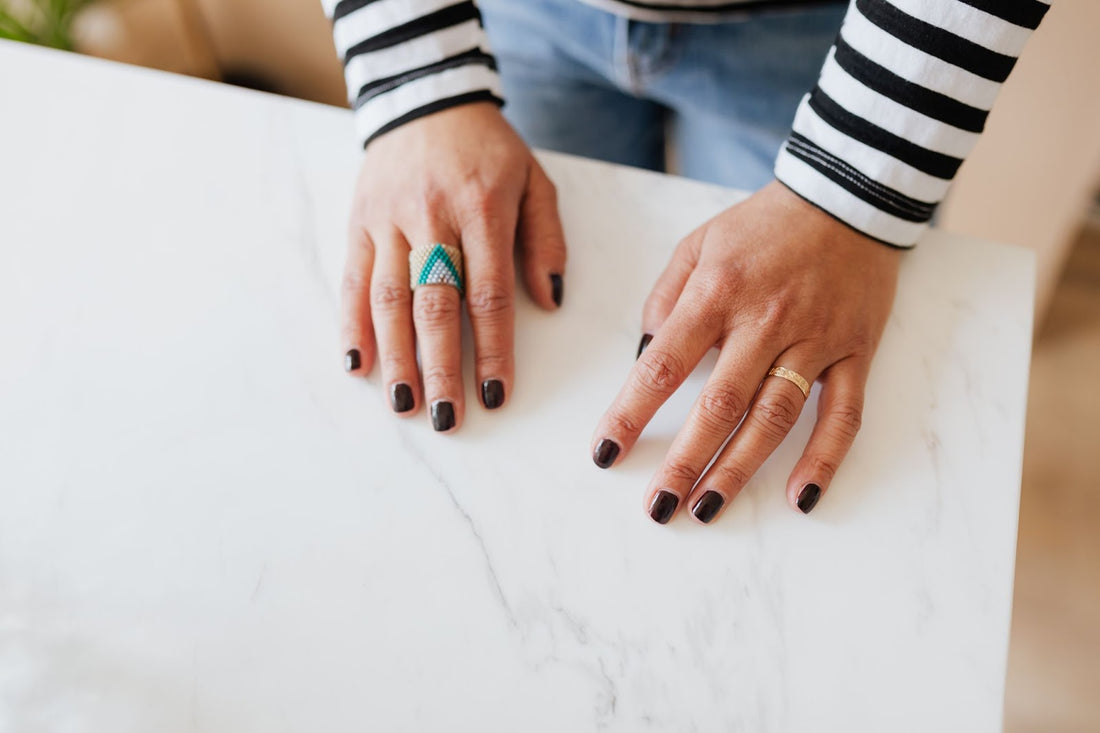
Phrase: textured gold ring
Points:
(436, 264)
(791, 376)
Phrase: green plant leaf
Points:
(49, 23)
(12, 29)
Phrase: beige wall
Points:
(288, 42)
(143, 32)
(1031, 177)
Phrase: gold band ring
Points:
(791, 376)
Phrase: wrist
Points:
(825, 227)
(833, 219)
(485, 102)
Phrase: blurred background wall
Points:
(280, 45)
(1032, 181)
(1034, 173)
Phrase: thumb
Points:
(540, 239)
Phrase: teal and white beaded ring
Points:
(436, 264)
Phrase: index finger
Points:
(671, 356)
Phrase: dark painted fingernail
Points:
(807, 498)
(606, 453)
(401, 397)
(556, 288)
(663, 506)
(443, 415)
(643, 344)
(352, 360)
(707, 507)
(492, 393)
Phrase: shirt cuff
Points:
(404, 59)
(901, 101)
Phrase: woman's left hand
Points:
(772, 281)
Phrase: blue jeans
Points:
(722, 96)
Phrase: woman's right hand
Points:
(461, 177)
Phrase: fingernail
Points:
(556, 288)
(401, 396)
(807, 498)
(352, 361)
(643, 344)
(707, 507)
(606, 453)
(663, 506)
(492, 393)
(443, 415)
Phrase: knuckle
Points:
(713, 310)
(428, 201)
(479, 199)
(732, 474)
(392, 364)
(359, 217)
(623, 424)
(440, 376)
(779, 307)
(493, 363)
(489, 300)
(680, 470)
(773, 316)
(777, 413)
(817, 339)
(818, 323)
(365, 208)
(436, 307)
(811, 331)
(713, 287)
(721, 405)
(847, 417)
(659, 372)
(824, 467)
(355, 283)
(388, 296)
(861, 343)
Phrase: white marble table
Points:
(206, 526)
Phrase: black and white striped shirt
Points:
(902, 98)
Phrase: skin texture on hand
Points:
(460, 177)
(772, 281)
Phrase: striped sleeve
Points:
(902, 98)
(404, 59)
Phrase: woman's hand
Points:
(772, 281)
(460, 177)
